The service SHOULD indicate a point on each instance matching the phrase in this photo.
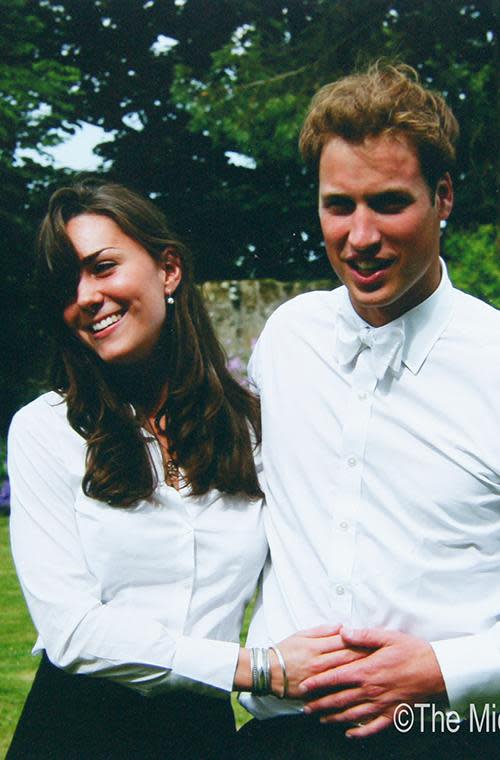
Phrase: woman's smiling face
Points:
(118, 309)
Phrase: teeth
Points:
(106, 322)
(371, 266)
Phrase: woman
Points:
(136, 523)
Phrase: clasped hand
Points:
(359, 677)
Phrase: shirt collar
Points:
(423, 324)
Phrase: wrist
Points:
(279, 679)
(243, 673)
(246, 680)
(276, 675)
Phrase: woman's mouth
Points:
(112, 319)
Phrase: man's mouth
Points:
(370, 265)
(106, 322)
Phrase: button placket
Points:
(347, 497)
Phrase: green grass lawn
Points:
(17, 636)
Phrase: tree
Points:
(126, 88)
(184, 85)
(205, 78)
(34, 104)
(256, 91)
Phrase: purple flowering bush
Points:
(237, 368)
(5, 494)
(4, 481)
(237, 365)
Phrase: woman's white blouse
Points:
(151, 596)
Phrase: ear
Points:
(444, 196)
(171, 263)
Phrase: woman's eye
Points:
(102, 267)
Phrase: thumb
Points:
(368, 638)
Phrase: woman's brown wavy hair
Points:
(213, 422)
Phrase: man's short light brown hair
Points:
(387, 100)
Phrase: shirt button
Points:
(343, 525)
(362, 395)
(352, 461)
(340, 590)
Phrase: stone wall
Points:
(240, 308)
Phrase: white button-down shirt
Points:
(151, 596)
(383, 496)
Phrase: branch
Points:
(276, 78)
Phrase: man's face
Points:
(381, 224)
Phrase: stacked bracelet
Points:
(260, 667)
(281, 661)
(261, 671)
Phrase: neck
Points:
(143, 385)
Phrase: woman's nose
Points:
(88, 296)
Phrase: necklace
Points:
(171, 473)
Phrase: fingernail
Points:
(307, 710)
(302, 688)
(347, 631)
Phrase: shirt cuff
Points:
(211, 662)
(471, 670)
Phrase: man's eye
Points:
(390, 205)
(339, 206)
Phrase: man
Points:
(381, 421)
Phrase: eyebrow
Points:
(389, 195)
(88, 260)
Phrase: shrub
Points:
(474, 263)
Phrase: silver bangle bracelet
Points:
(261, 671)
(281, 661)
(253, 669)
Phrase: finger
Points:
(360, 713)
(339, 700)
(369, 638)
(344, 675)
(320, 631)
(381, 723)
(331, 660)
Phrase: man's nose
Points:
(364, 232)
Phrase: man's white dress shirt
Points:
(383, 495)
(152, 596)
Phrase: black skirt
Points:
(77, 717)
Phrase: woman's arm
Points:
(80, 632)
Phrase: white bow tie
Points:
(386, 346)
